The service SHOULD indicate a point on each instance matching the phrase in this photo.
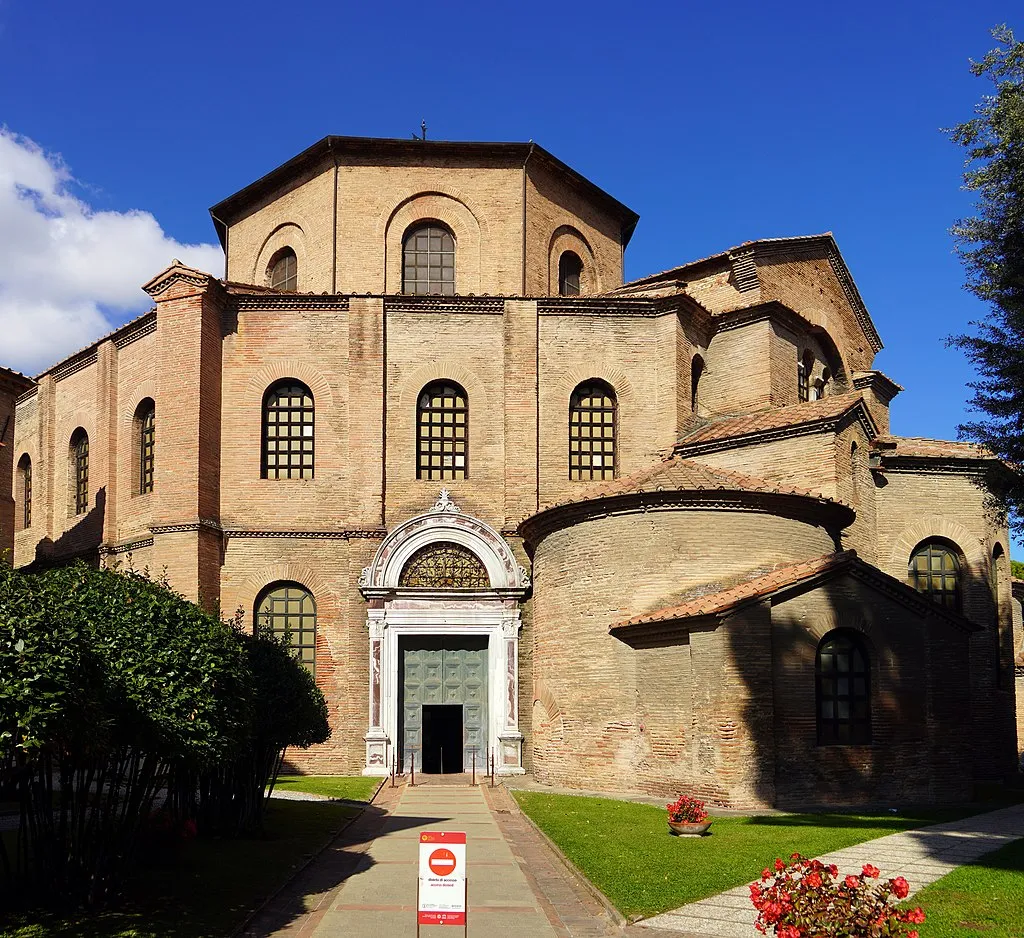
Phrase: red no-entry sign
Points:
(442, 880)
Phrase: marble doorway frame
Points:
(396, 612)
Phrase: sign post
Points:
(441, 889)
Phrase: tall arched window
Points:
(998, 574)
(80, 471)
(570, 267)
(592, 424)
(145, 423)
(288, 610)
(804, 368)
(283, 273)
(855, 473)
(445, 565)
(442, 432)
(288, 431)
(696, 373)
(428, 260)
(935, 571)
(25, 491)
(843, 681)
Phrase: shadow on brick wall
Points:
(79, 542)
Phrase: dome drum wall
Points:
(594, 694)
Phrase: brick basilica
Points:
(651, 536)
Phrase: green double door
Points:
(443, 706)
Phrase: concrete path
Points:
(922, 856)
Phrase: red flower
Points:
(787, 931)
(779, 865)
(912, 934)
(813, 880)
(833, 870)
(871, 871)
(766, 873)
(916, 916)
(900, 887)
(852, 882)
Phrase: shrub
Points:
(806, 899)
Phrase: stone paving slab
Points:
(922, 856)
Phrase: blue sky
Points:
(717, 123)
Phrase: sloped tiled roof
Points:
(751, 590)
(920, 447)
(674, 474)
(811, 412)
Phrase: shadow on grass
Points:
(217, 883)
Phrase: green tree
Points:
(991, 246)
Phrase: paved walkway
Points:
(922, 856)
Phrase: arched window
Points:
(80, 471)
(145, 423)
(428, 260)
(288, 610)
(696, 373)
(287, 431)
(445, 565)
(283, 272)
(25, 490)
(804, 369)
(569, 269)
(935, 571)
(442, 432)
(843, 681)
(855, 473)
(592, 422)
(998, 574)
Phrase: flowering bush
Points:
(806, 899)
(687, 810)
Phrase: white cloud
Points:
(69, 274)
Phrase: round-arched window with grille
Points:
(935, 571)
(843, 679)
(288, 610)
(445, 565)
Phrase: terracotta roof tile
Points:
(922, 447)
(674, 474)
(828, 408)
(744, 592)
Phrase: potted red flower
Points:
(687, 817)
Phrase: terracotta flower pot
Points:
(688, 828)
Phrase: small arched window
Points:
(288, 431)
(696, 373)
(445, 565)
(804, 369)
(428, 260)
(935, 571)
(288, 611)
(80, 471)
(25, 491)
(284, 270)
(843, 680)
(570, 267)
(855, 473)
(592, 425)
(145, 422)
(442, 432)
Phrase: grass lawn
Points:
(625, 849)
(982, 900)
(211, 888)
(354, 788)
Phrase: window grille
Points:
(804, 369)
(80, 454)
(569, 269)
(442, 421)
(445, 565)
(935, 571)
(288, 610)
(284, 270)
(147, 440)
(288, 415)
(428, 261)
(592, 432)
(843, 691)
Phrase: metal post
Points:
(474, 768)
(412, 769)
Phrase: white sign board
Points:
(442, 892)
